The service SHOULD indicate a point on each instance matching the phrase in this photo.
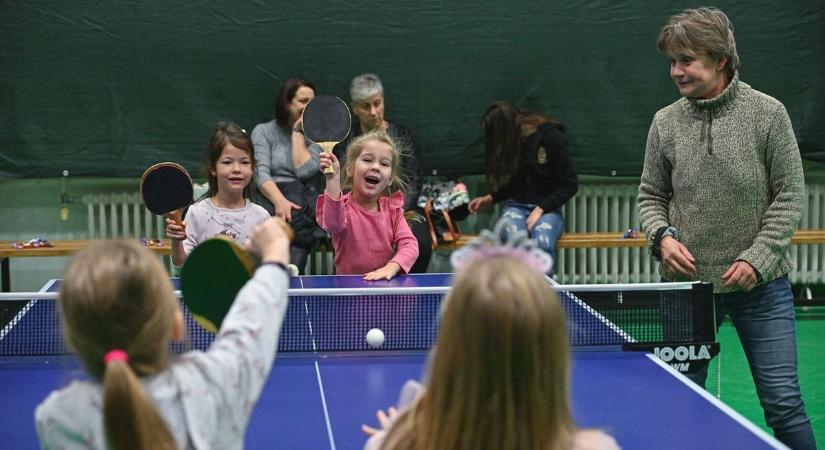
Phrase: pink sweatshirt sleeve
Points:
(405, 242)
(330, 215)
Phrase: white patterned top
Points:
(205, 220)
(206, 398)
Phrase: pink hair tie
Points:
(115, 355)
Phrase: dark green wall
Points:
(107, 88)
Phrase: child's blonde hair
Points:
(499, 375)
(355, 148)
(116, 295)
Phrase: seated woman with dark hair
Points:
(530, 169)
(287, 168)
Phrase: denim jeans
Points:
(765, 321)
(546, 231)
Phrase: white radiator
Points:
(604, 208)
(596, 208)
(809, 260)
(121, 215)
(612, 207)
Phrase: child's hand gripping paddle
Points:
(326, 121)
(213, 274)
(166, 188)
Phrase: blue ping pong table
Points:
(318, 399)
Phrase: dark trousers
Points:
(425, 245)
(765, 321)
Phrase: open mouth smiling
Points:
(372, 179)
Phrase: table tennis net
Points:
(598, 316)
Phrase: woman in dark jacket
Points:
(529, 168)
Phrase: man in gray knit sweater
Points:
(720, 196)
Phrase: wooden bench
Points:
(617, 240)
(59, 248)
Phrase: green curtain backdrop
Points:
(108, 88)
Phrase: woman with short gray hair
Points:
(720, 197)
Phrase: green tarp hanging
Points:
(108, 88)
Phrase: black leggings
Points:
(425, 246)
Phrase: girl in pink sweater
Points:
(369, 233)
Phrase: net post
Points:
(704, 308)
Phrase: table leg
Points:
(5, 276)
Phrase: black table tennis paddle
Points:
(166, 188)
(326, 121)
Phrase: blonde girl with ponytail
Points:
(119, 313)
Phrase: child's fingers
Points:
(323, 164)
(383, 420)
(273, 233)
(379, 274)
(392, 412)
(175, 230)
(173, 227)
(371, 276)
(368, 430)
(275, 227)
(328, 160)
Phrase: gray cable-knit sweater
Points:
(726, 172)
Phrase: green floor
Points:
(737, 386)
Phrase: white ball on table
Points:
(375, 338)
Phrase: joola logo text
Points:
(683, 353)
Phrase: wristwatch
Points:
(661, 233)
(670, 231)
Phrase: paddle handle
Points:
(327, 148)
(175, 215)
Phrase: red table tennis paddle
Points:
(166, 188)
(326, 121)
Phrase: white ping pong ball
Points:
(375, 337)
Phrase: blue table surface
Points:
(319, 401)
(626, 394)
